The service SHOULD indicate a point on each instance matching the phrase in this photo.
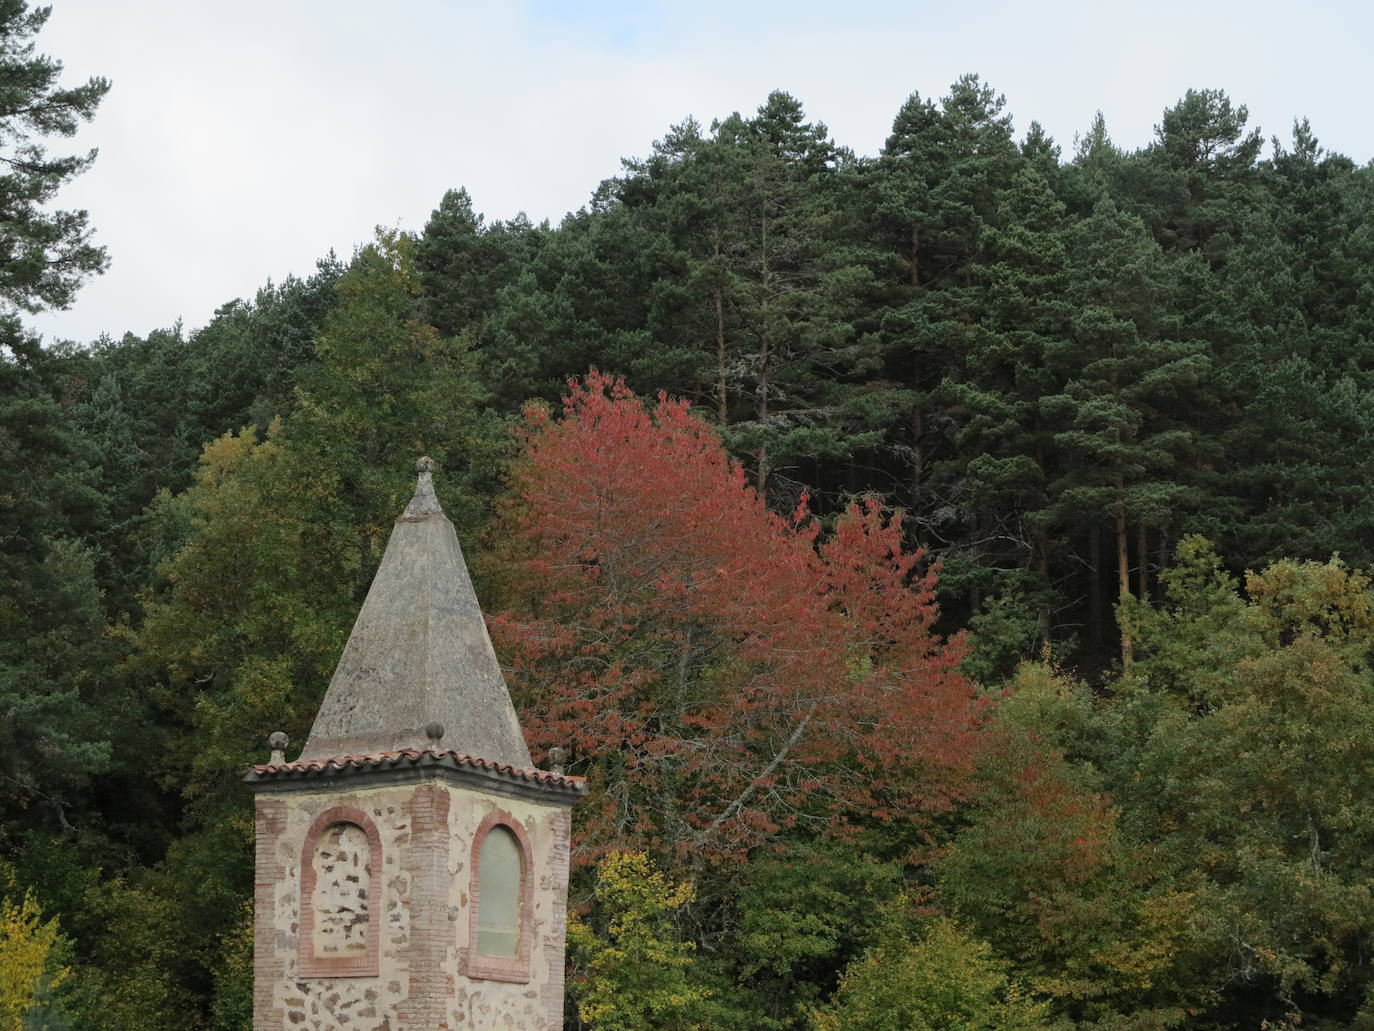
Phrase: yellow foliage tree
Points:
(26, 944)
(636, 972)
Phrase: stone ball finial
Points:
(278, 740)
(557, 757)
(434, 731)
(426, 465)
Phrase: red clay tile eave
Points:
(416, 757)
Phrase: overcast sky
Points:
(243, 140)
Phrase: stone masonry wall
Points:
(426, 832)
(284, 998)
(268, 948)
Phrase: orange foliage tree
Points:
(721, 673)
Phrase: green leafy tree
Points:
(144, 966)
(286, 532)
(1238, 759)
(1043, 873)
(278, 541)
(799, 914)
(943, 980)
(233, 997)
(150, 404)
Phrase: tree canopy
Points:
(949, 567)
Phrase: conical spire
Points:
(419, 658)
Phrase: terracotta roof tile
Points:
(415, 757)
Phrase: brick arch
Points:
(502, 968)
(365, 965)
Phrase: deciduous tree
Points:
(27, 968)
(633, 970)
(717, 671)
(942, 979)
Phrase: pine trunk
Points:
(917, 460)
(1095, 586)
(1123, 581)
(765, 354)
(722, 390)
(1163, 559)
(1142, 555)
(763, 415)
(1042, 566)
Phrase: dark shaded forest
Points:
(944, 565)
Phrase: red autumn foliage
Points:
(1062, 829)
(719, 672)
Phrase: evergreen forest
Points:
(945, 565)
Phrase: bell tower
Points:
(412, 864)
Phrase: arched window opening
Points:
(501, 913)
(499, 865)
(340, 915)
(343, 872)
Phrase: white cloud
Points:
(242, 141)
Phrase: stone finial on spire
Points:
(435, 732)
(424, 504)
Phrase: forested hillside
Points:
(943, 564)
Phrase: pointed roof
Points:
(419, 660)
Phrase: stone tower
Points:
(412, 864)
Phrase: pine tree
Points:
(1198, 183)
(1293, 317)
(685, 196)
(1131, 381)
(53, 652)
(44, 254)
(748, 286)
(937, 180)
(783, 278)
(578, 301)
(1006, 457)
(464, 263)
